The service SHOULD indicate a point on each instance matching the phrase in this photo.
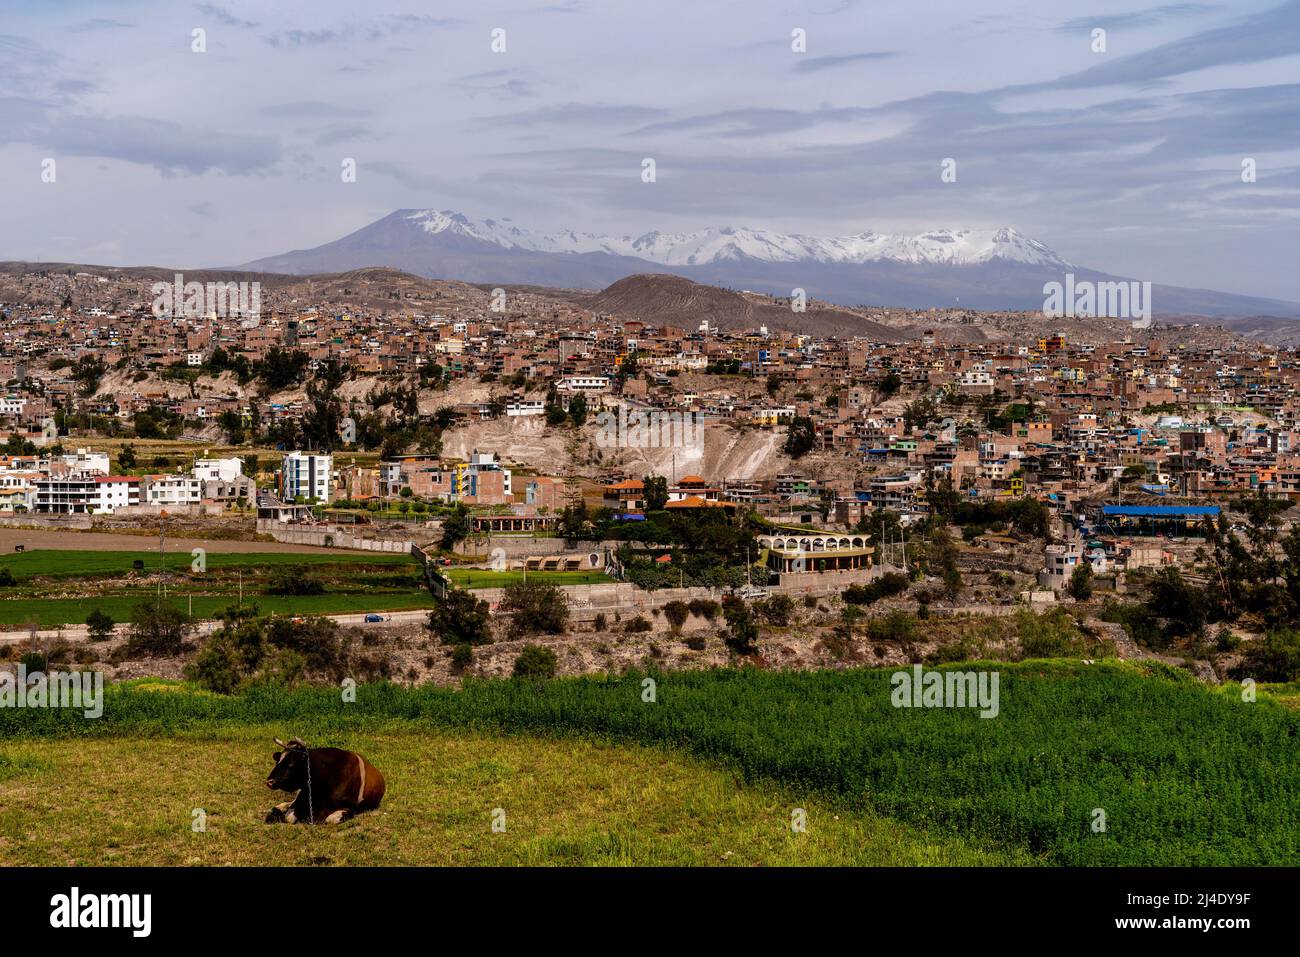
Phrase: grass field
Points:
(52, 612)
(485, 578)
(67, 562)
(354, 583)
(130, 801)
(1184, 774)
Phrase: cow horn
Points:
(299, 742)
(280, 743)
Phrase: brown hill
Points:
(660, 299)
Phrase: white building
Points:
(218, 470)
(86, 494)
(526, 407)
(307, 475)
(583, 383)
(173, 490)
(87, 462)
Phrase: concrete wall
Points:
(31, 520)
(329, 536)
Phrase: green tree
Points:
(742, 631)
(461, 619)
(99, 625)
(535, 607)
(456, 527)
(1080, 587)
(157, 630)
(801, 437)
(656, 492)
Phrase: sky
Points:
(1127, 160)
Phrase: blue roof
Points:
(1161, 511)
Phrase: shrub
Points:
(99, 625)
(462, 656)
(156, 630)
(1138, 621)
(271, 651)
(1053, 634)
(776, 610)
(896, 626)
(461, 619)
(638, 624)
(1080, 586)
(7, 578)
(599, 623)
(295, 581)
(696, 642)
(705, 608)
(1275, 657)
(886, 586)
(535, 661)
(742, 633)
(536, 607)
(1226, 641)
(677, 612)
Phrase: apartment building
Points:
(307, 475)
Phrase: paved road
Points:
(81, 633)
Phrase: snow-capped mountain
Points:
(985, 269)
(963, 247)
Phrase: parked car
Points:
(373, 618)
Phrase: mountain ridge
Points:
(989, 270)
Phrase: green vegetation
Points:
(280, 582)
(1185, 774)
(569, 802)
(535, 662)
(72, 563)
(51, 612)
(535, 608)
(461, 619)
(486, 578)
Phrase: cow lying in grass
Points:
(332, 784)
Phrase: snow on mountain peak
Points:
(729, 243)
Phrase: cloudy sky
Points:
(1128, 160)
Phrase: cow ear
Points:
(276, 756)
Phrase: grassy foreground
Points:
(130, 801)
(1184, 775)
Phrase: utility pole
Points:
(162, 561)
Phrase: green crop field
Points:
(72, 563)
(52, 612)
(1183, 774)
(485, 578)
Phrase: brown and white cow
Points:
(332, 784)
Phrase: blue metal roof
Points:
(1161, 511)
